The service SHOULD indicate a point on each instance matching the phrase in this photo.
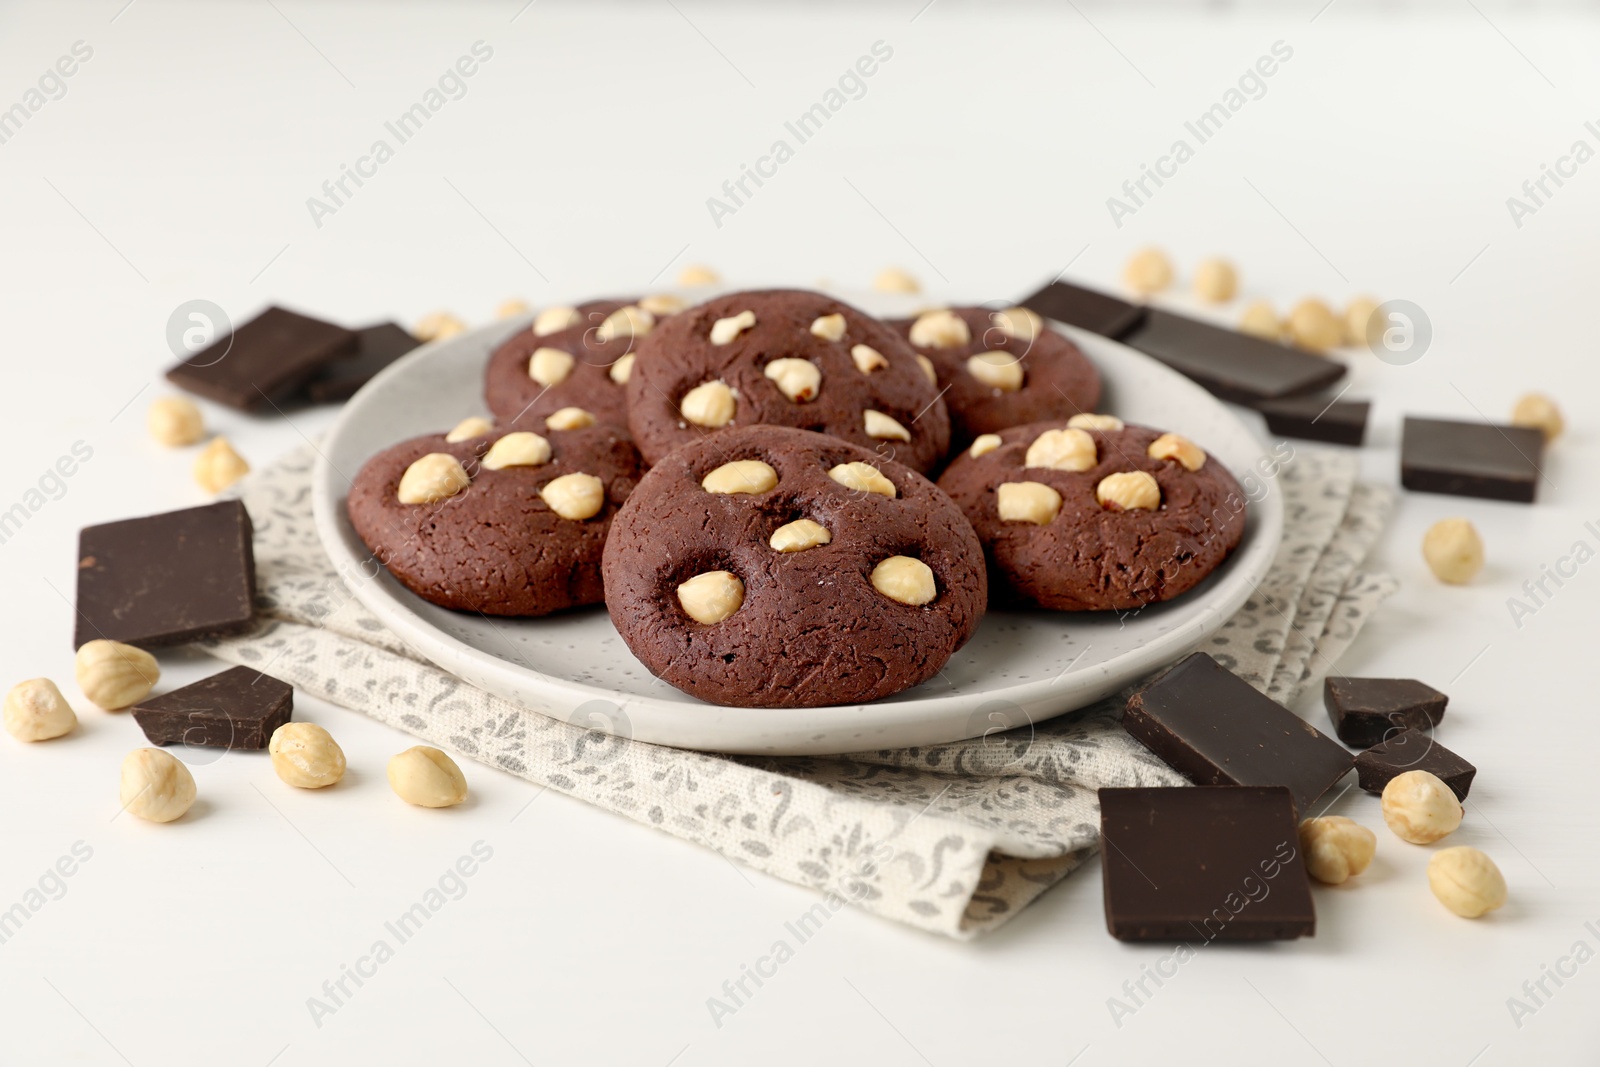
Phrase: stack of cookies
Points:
(746, 485)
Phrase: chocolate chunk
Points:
(1086, 309)
(1477, 459)
(1211, 863)
(239, 708)
(1233, 365)
(376, 348)
(1366, 710)
(268, 358)
(166, 579)
(1413, 750)
(1315, 418)
(1214, 728)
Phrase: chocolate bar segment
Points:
(167, 579)
(1209, 863)
(1413, 750)
(239, 708)
(1364, 711)
(268, 359)
(376, 348)
(1233, 365)
(1315, 418)
(1477, 459)
(1085, 308)
(1214, 728)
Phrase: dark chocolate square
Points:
(166, 579)
(1413, 750)
(1208, 863)
(1364, 711)
(239, 708)
(376, 348)
(1214, 728)
(1085, 308)
(268, 358)
(1233, 365)
(1477, 459)
(1316, 418)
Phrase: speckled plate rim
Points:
(681, 721)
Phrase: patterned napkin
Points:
(954, 839)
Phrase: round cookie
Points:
(1034, 495)
(1040, 375)
(498, 546)
(583, 372)
(785, 358)
(809, 626)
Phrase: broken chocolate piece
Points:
(1364, 711)
(1478, 459)
(239, 708)
(1315, 418)
(1233, 365)
(166, 579)
(268, 359)
(1413, 750)
(376, 348)
(1214, 728)
(1211, 863)
(1085, 308)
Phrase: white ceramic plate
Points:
(1020, 667)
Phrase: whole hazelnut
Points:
(1420, 808)
(1313, 325)
(1148, 271)
(175, 421)
(1466, 881)
(1454, 551)
(36, 711)
(438, 325)
(218, 466)
(1361, 323)
(1259, 320)
(114, 675)
(1215, 281)
(908, 580)
(696, 274)
(1336, 848)
(306, 756)
(427, 777)
(895, 280)
(1539, 412)
(155, 785)
(710, 597)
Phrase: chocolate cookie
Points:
(572, 358)
(772, 567)
(502, 524)
(1001, 368)
(785, 358)
(1087, 514)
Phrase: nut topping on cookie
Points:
(621, 369)
(1032, 502)
(709, 404)
(468, 428)
(630, 321)
(867, 358)
(910, 581)
(554, 320)
(829, 327)
(1086, 421)
(985, 443)
(884, 428)
(1018, 322)
(999, 370)
(723, 331)
(575, 496)
(940, 329)
(663, 304)
(928, 368)
(1177, 447)
(863, 477)
(740, 476)
(1061, 450)
(797, 379)
(800, 535)
(436, 476)
(520, 449)
(569, 419)
(711, 597)
(550, 366)
(1128, 491)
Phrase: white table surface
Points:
(177, 166)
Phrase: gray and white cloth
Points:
(954, 839)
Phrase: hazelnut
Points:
(1313, 325)
(554, 320)
(114, 675)
(998, 370)
(1466, 881)
(1215, 281)
(155, 785)
(305, 755)
(1538, 412)
(219, 466)
(1019, 322)
(1032, 502)
(436, 476)
(1127, 491)
(797, 379)
(740, 476)
(928, 369)
(629, 321)
(424, 776)
(863, 477)
(828, 327)
(438, 326)
(468, 428)
(711, 597)
(1179, 448)
(36, 711)
(622, 369)
(910, 581)
(940, 329)
(709, 404)
(575, 496)
(895, 280)
(799, 535)
(1420, 808)
(723, 331)
(1061, 450)
(1259, 320)
(175, 421)
(568, 419)
(1148, 271)
(1336, 848)
(511, 308)
(663, 304)
(867, 359)
(1087, 421)
(881, 427)
(983, 444)
(1454, 551)
(1361, 324)
(520, 449)
(550, 366)
(696, 274)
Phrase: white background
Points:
(177, 166)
